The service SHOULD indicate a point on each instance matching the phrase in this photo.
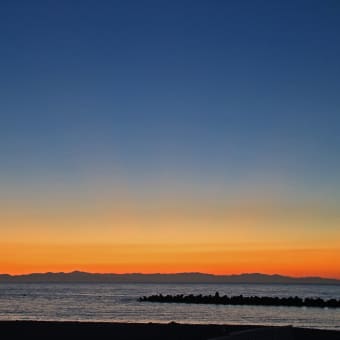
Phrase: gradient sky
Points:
(167, 136)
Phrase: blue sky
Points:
(217, 92)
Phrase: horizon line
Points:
(171, 273)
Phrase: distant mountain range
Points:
(83, 277)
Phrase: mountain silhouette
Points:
(84, 277)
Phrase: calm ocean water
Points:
(118, 302)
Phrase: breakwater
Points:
(217, 299)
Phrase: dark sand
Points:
(140, 331)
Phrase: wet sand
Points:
(140, 331)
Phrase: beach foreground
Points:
(141, 331)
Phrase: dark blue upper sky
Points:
(223, 90)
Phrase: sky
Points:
(170, 136)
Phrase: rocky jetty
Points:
(218, 299)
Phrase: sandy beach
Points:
(141, 331)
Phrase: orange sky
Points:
(219, 259)
(170, 236)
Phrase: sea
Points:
(119, 303)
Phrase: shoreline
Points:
(147, 331)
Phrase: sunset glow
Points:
(165, 236)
